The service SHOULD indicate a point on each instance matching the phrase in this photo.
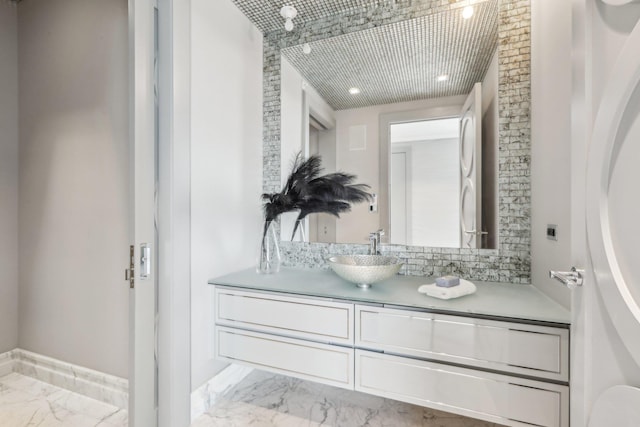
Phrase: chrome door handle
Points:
(476, 232)
(571, 279)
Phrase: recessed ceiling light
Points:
(354, 91)
(443, 77)
(306, 48)
(467, 12)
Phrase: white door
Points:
(606, 311)
(143, 136)
(613, 205)
(398, 230)
(470, 170)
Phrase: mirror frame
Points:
(511, 261)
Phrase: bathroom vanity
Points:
(501, 354)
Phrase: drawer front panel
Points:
(524, 349)
(492, 397)
(321, 363)
(287, 316)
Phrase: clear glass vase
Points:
(269, 258)
(298, 231)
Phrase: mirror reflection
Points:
(424, 207)
(411, 109)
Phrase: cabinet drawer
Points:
(510, 347)
(321, 363)
(316, 320)
(492, 397)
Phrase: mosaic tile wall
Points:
(511, 262)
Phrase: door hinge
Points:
(145, 261)
(129, 273)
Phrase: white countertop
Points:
(502, 300)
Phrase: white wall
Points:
(291, 106)
(74, 171)
(293, 139)
(291, 135)
(293, 89)
(355, 226)
(551, 148)
(8, 177)
(226, 161)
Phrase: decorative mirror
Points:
(510, 258)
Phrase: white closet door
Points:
(470, 169)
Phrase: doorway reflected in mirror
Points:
(424, 206)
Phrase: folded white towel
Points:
(465, 288)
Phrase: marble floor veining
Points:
(260, 400)
(26, 402)
(269, 400)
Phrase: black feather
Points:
(305, 190)
(334, 208)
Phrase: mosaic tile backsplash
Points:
(511, 262)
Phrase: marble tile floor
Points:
(260, 400)
(27, 402)
(269, 400)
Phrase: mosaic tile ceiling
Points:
(265, 14)
(396, 62)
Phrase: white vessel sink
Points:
(364, 270)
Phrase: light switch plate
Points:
(552, 232)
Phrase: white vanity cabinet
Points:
(537, 351)
(313, 319)
(507, 371)
(502, 399)
(489, 369)
(302, 337)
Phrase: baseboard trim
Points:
(205, 396)
(7, 362)
(97, 385)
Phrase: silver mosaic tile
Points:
(401, 61)
(265, 14)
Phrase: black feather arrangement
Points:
(308, 192)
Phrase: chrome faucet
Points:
(374, 242)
